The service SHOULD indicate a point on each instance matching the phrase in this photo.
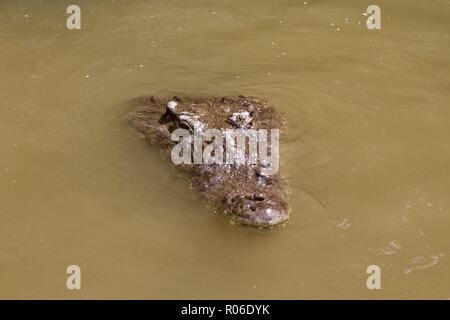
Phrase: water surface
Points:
(367, 155)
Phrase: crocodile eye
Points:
(172, 106)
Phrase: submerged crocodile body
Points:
(244, 191)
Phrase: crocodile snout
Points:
(258, 210)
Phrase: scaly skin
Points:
(242, 192)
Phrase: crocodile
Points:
(245, 192)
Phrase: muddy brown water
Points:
(367, 155)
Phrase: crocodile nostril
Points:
(255, 197)
(259, 196)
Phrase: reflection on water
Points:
(367, 154)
